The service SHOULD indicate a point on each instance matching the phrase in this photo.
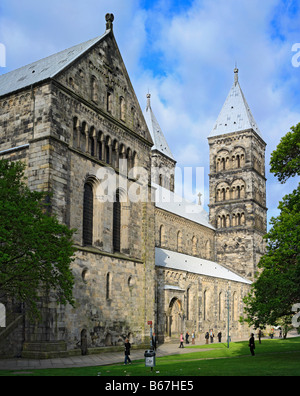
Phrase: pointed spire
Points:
(235, 115)
(159, 140)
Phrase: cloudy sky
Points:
(184, 53)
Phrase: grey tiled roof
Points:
(183, 262)
(235, 115)
(43, 69)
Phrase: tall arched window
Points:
(188, 304)
(194, 245)
(122, 108)
(161, 241)
(179, 241)
(108, 281)
(204, 305)
(94, 90)
(117, 223)
(109, 102)
(88, 213)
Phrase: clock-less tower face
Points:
(238, 185)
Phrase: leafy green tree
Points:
(285, 160)
(36, 251)
(278, 285)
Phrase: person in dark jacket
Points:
(207, 337)
(154, 342)
(127, 346)
(252, 344)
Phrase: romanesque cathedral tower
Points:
(238, 185)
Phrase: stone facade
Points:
(73, 127)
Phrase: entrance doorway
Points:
(175, 318)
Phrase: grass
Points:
(273, 358)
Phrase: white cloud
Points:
(185, 59)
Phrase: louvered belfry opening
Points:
(117, 223)
(88, 212)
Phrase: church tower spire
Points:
(163, 162)
(237, 185)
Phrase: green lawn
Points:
(273, 358)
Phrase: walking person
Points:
(252, 344)
(211, 336)
(259, 335)
(193, 338)
(154, 342)
(207, 337)
(127, 346)
(220, 336)
(187, 338)
(181, 341)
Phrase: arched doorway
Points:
(175, 317)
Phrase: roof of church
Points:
(174, 203)
(157, 135)
(183, 262)
(45, 68)
(235, 115)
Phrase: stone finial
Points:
(148, 101)
(236, 75)
(109, 21)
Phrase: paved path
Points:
(102, 359)
(89, 360)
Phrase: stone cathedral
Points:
(161, 259)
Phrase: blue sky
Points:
(184, 52)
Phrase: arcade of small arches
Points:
(231, 220)
(100, 146)
(225, 192)
(226, 160)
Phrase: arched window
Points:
(221, 306)
(108, 148)
(76, 132)
(188, 304)
(94, 93)
(109, 102)
(88, 213)
(179, 241)
(194, 245)
(92, 135)
(160, 180)
(161, 241)
(122, 108)
(204, 305)
(117, 223)
(108, 284)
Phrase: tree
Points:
(285, 160)
(278, 285)
(36, 251)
